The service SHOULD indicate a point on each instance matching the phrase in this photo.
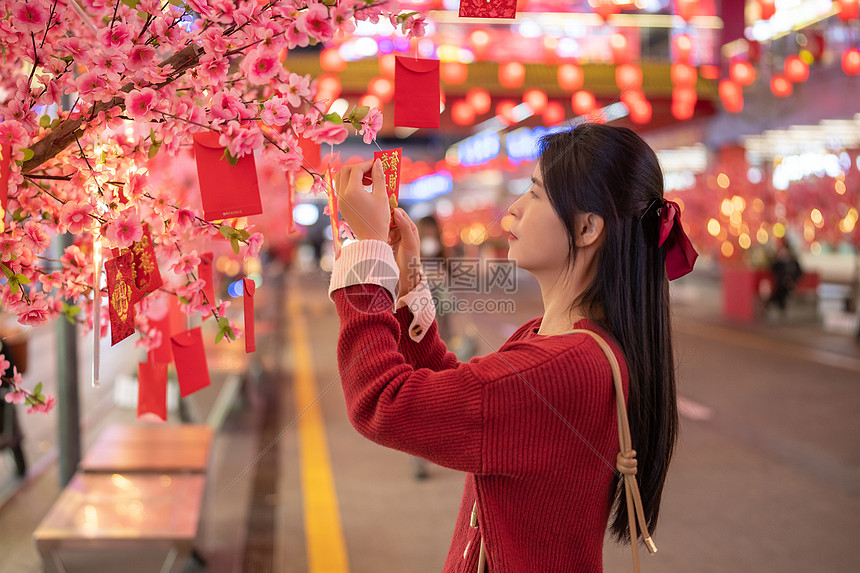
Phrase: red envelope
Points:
(416, 92)
(311, 153)
(152, 389)
(204, 271)
(147, 277)
(488, 9)
(391, 160)
(227, 190)
(122, 295)
(191, 368)
(172, 322)
(5, 168)
(249, 287)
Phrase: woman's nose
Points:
(514, 210)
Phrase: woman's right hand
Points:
(403, 238)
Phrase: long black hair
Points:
(612, 172)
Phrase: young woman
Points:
(534, 425)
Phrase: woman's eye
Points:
(533, 194)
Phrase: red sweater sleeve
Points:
(431, 352)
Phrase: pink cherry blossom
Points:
(186, 264)
(183, 219)
(75, 217)
(16, 397)
(371, 125)
(261, 66)
(10, 249)
(414, 26)
(330, 133)
(241, 140)
(139, 57)
(34, 314)
(47, 406)
(296, 33)
(139, 104)
(298, 88)
(30, 17)
(275, 112)
(116, 36)
(91, 86)
(35, 237)
(317, 22)
(255, 242)
(125, 230)
(4, 364)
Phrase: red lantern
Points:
(848, 9)
(686, 9)
(685, 96)
(536, 99)
(851, 61)
(640, 111)
(742, 73)
(604, 8)
(512, 74)
(628, 76)
(454, 72)
(682, 111)
(462, 113)
(619, 46)
(583, 102)
(479, 39)
(683, 46)
(479, 99)
(386, 65)
(570, 77)
(370, 100)
(732, 96)
(796, 70)
(629, 97)
(381, 88)
(780, 86)
(767, 8)
(553, 113)
(505, 111)
(331, 61)
(684, 75)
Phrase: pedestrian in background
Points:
(786, 271)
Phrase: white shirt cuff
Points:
(368, 261)
(420, 302)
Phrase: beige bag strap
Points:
(625, 463)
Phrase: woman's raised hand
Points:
(368, 214)
(404, 239)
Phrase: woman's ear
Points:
(589, 228)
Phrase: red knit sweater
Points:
(534, 426)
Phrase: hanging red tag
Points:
(147, 277)
(311, 153)
(191, 368)
(249, 286)
(122, 295)
(227, 190)
(291, 202)
(152, 390)
(487, 9)
(416, 92)
(334, 216)
(5, 167)
(168, 324)
(206, 274)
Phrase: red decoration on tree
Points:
(851, 61)
(147, 277)
(291, 202)
(732, 96)
(5, 162)
(583, 102)
(796, 70)
(190, 357)
(570, 77)
(742, 73)
(512, 74)
(248, 288)
(122, 295)
(416, 100)
(206, 273)
(152, 390)
(780, 86)
(479, 99)
(228, 190)
(391, 161)
(454, 73)
(462, 113)
(536, 99)
(484, 9)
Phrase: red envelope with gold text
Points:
(147, 277)
(488, 9)
(152, 390)
(190, 357)
(391, 160)
(122, 294)
(416, 92)
(227, 191)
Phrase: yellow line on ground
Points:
(326, 547)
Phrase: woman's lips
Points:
(512, 237)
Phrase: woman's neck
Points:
(560, 314)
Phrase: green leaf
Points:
(359, 113)
(234, 242)
(243, 234)
(38, 389)
(357, 125)
(219, 336)
(223, 322)
(14, 287)
(18, 215)
(183, 300)
(130, 3)
(45, 121)
(7, 271)
(334, 118)
(28, 154)
(227, 231)
(153, 149)
(231, 333)
(21, 279)
(56, 123)
(230, 159)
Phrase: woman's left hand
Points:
(368, 214)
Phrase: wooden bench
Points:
(138, 487)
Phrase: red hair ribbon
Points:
(680, 254)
